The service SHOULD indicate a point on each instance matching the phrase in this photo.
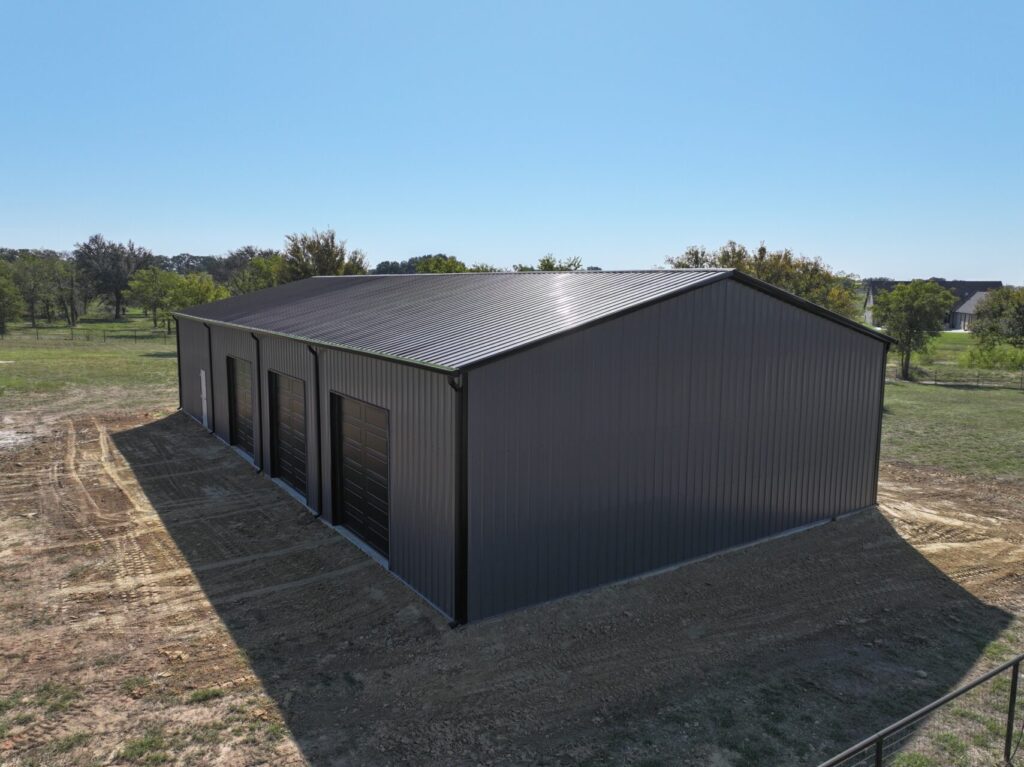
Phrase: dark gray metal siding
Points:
(235, 343)
(294, 359)
(702, 422)
(194, 357)
(422, 409)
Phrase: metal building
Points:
(498, 440)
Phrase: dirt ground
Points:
(162, 603)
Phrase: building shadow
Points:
(781, 653)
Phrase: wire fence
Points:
(979, 724)
(953, 376)
(88, 335)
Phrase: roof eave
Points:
(434, 367)
(803, 303)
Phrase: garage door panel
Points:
(240, 412)
(288, 430)
(376, 466)
(376, 443)
(360, 436)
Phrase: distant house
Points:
(962, 316)
(969, 294)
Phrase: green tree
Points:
(195, 289)
(320, 254)
(11, 304)
(548, 263)
(34, 277)
(1000, 319)
(913, 314)
(152, 288)
(356, 263)
(261, 272)
(439, 263)
(808, 278)
(68, 289)
(110, 266)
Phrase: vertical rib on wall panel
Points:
(194, 357)
(234, 343)
(293, 358)
(423, 493)
(701, 422)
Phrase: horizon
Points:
(885, 142)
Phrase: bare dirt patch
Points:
(159, 601)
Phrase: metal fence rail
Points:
(885, 745)
(87, 335)
(982, 379)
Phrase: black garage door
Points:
(360, 469)
(288, 430)
(240, 403)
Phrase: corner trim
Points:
(461, 582)
(181, 387)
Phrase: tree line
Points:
(45, 285)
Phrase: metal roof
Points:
(970, 306)
(454, 321)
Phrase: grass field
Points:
(946, 359)
(29, 366)
(963, 430)
(53, 362)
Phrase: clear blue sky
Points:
(886, 138)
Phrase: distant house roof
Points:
(962, 289)
(454, 321)
(970, 306)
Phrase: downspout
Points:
(177, 342)
(319, 443)
(259, 401)
(460, 383)
(209, 355)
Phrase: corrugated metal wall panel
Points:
(194, 357)
(292, 358)
(702, 422)
(235, 343)
(423, 410)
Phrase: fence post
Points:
(104, 336)
(72, 334)
(37, 334)
(135, 336)
(879, 752)
(1014, 676)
